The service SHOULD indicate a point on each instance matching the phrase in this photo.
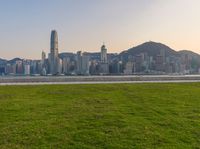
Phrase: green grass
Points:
(100, 116)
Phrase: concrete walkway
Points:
(40, 80)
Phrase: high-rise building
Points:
(43, 59)
(43, 64)
(104, 67)
(82, 64)
(19, 67)
(27, 69)
(66, 65)
(85, 64)
(60, 66)
(129, 68)
(54, 59)
(10, 69)
(104, 58)
(79, 62)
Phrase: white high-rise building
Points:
(104, 67)
(104, 58)
(82, 64)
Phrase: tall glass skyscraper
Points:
(54, 59)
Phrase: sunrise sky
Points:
(25, 25)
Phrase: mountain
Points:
(12, 61)
(151, 48)
(189, 53)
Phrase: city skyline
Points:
(86, 25)
(147, 58)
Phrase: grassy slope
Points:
(100, 116)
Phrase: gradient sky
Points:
(25, 25)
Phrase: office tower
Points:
(19, 67)
(60, 66)
(66, 65)
(129, 67)
(10, 69)
(160, 63)
(139, 62)
(43, 59)
(79, 62)
(27, 69)
(43, 64)
(104, 54)
(2, 70)
(85, 65)
(54, 60)
(104, 67)
(82, 64)
(93, 67)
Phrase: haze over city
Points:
(84, 25)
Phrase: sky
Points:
(25, 25)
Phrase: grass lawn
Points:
(100, 116)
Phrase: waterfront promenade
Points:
(39, 80)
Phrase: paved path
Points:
(100, 82)
(42, 80)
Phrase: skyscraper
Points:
(104, 68)
(54, 59)
(82, 64)
(43, 64)
(79, 62)
(43, 58)
(104, 54)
